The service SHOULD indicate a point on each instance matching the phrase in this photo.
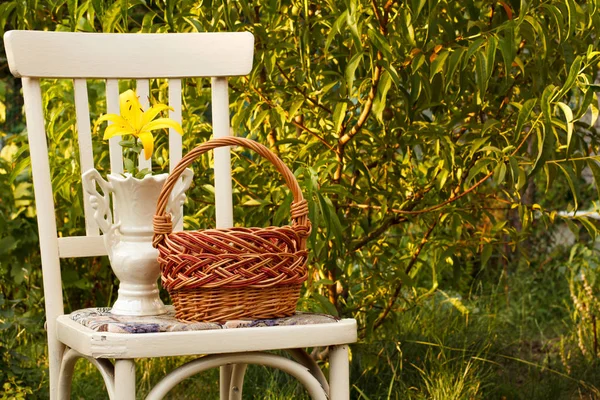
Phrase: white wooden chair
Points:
(37, 55)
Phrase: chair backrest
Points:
(33, 55)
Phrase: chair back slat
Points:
(128, 55)
(175, 140)
(222, 157)
(86, 156)
(81, 246)
(143, 91)
(112, 107)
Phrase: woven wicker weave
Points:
(223, 274)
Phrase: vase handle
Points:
(100, 202)
(177, 197)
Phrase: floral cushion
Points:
(101, 320)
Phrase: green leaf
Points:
(524, 114)
(546, 141)
(595, 168)
(417, 62)
(479, 167)
(541, 34)
(335, 29)
(294, 108)
(546, 102)
(380, 101)
(550, 172)
(481, 74)
(7, 244)
(353, 25)
(515, 170)
(474, 47)
(507, 49)
(589, 226)
(453, 64)
(569, 121)
(258, 120)
(438, 64)
(325, 304)
(571, 77)
(490, 55)
(351, 69)
(380, 42)
(556, 14)
(338, 115)
(500, 173)
(486, 253)
(570, 177)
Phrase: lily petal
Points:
(117, 130)
(114, 118)
(148, 143)
(153, 112)
(163, 123)
(131, 109)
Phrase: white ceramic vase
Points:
(128, 233)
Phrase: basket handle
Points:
(299, 208)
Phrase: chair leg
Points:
(339, 373)
(237, 381)
(55, 352)
(225, 381)
(125, 379)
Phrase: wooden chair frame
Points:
(79, 56)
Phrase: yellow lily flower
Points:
(137, 122)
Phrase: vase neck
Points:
(135, 204)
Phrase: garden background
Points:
(448, 152)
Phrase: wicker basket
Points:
(235, 273)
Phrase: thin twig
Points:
(316, 102)
(410, 265)
(293, 120)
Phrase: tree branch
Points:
(410, 265)
(345, 137)
(314, 101)
(377, 232)
(293, 120)
(469, 190)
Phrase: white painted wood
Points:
(143, 91)
(339, 373)
(237, 381)
(225, 372)
(223, 190)
(112, 107)
(175, 139)
(137, 55)
(125, 379)
(42, 186)
(191, 368)
(70, 358)
(86, 157)
(301, 356)
(81, 246)
(166, 344)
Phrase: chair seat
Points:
(98, 333)
(102, 320)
